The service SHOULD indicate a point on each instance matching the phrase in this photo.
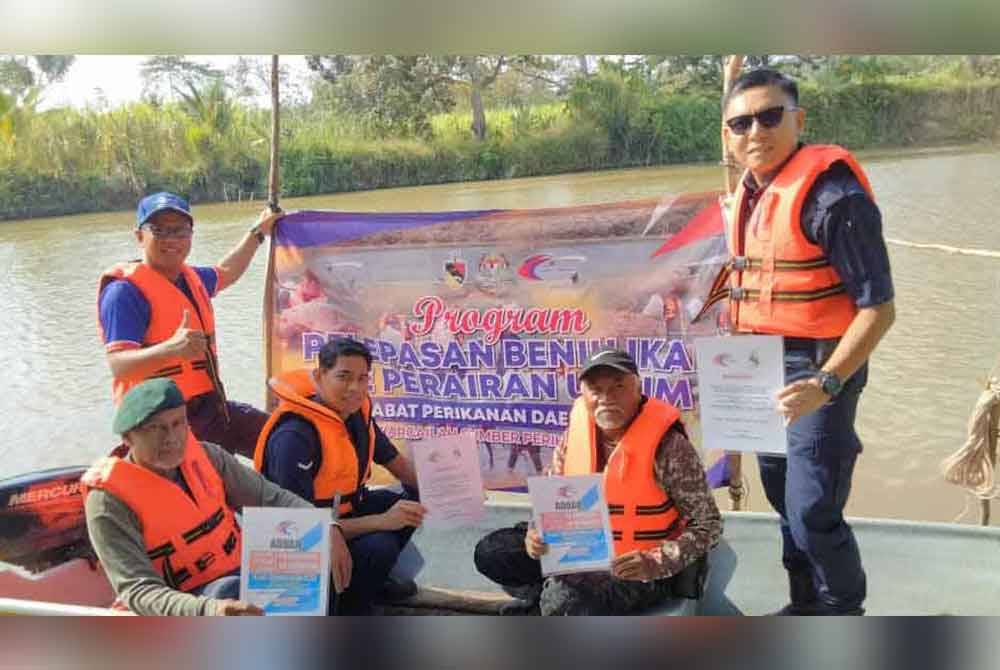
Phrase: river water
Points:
(925, 376)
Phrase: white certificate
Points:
(450, 481)
(739, 378)
(286, 560)
(571, 513)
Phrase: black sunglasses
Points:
(162, 232)
(767, 118)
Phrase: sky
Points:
(117, 77)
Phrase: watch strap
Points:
(255, 231)
(830, 383)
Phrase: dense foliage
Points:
(210, 143)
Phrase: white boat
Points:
(913, 568)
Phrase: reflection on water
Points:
(56, 407)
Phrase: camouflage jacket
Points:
(679, 471)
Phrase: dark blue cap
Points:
(615, 359)
(159, 202)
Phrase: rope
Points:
(988, 253)
(965, 509)
(972, 466)
(745, 494)
(743, 489)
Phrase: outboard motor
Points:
(42, 521)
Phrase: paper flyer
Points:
(451, 483)
(572, 515)
(286, 560)
(739, 378)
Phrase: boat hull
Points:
(913, 569)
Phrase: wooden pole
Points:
(730, 71)
(985, 503)
(731, 173)
(272, 183)
(273, 189)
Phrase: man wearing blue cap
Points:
(161, 510)
(156, 318)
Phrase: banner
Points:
(479, 320)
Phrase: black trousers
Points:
(809, 489)
(373, 554)
(502, 558)
(238, 435)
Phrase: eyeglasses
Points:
(161, 232)
(768, 118)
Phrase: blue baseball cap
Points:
(159, 202)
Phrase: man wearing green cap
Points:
(161, 512)
(156, 318)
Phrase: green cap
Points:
(145, 400)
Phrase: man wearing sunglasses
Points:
(156, 319)
(809, 263)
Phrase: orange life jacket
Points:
(781, 282)
(167, 304)
(191, 539)
(339, 469)
(642, 514)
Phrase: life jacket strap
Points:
(739, 293)
(205, 527)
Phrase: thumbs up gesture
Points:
(187, 343)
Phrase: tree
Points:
(208, 105)
(541, 78)
(249, 79)
(613, 99)
(478, 73)
(333, 67)
(22, 77)
(167, 77)
(984, 66)
(398, 94)
(390, 94)
(6, 118)
(22, 81)
(702, 75)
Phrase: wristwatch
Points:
(830, 383)
(255, 231)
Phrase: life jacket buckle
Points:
(740, 263)
(737, 293)
(205, 560)
(230, 544)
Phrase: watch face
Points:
(830, 383)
